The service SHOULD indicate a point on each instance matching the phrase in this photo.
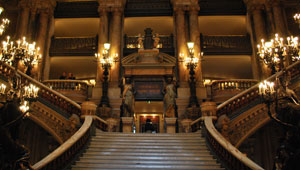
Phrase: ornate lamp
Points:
(277, 50)
(297, 18)
(106, 62)
(191, 62)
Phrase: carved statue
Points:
(128, 101)
(156, 41)
(140, 41)
(169, 99)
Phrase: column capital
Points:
(38, 6)
(254, 5)
(111, 5)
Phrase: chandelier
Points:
(4, 23)
(274, 52)
(297, 18)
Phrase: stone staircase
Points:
(147, 151)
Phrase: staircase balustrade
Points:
(60, 157)
(55, 98)
(227, 153)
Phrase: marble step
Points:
(148, 146)
(147, 150)
(109, 157)
(141, 143)
(148, 154)
(197, 140)
(146, 134)
(150, 162)
(115, 166)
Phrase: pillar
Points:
(23, 22)
(41, 41)
(46, 67)
(115, 38)
(181, 43)
(127, 123)
(102, 38)
(280, 26)
(171, 125)
(195, 37)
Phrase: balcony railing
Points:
(221, 90)
(74, 46)
(76, 90)
(226, 45)
(165, 43)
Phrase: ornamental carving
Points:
(38, 5)
(247, 123)
(61, 126)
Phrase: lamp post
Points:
(191, 63)
(277, 50)
(106, 62)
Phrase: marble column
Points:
(31, 24)
(260, 33)
(181, 43)
(280, 26)
(115, 38)
(195, 37)
(23, 22)
(41, 40)
(46, 67)
(102, 38)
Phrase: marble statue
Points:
(156, 41)
(140, 41)
(128, 101)
(169, 100)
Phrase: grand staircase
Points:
(146, 151)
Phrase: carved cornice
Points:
(38, 6)
(56, 124)
(253, 5)
(246, 124)
(111, 6)
(186, 5)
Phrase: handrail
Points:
(45, 92)
(249, 94)
(233, 158)
(100, 123)
(63, 154)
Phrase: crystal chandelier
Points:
(297, 18)
(4, 23)
(277, 50)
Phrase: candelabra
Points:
(297, 18)
(277, 50)
(106, 62)
(4, 23)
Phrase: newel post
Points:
(209, 109)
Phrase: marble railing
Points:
(221, 90)
(53, 97)
(256, 118)
(60, 157)
(76, 90)
(227, 153)
(67, 152)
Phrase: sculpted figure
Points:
(128, 101)
(156, 41)
(140, 41)
(169, 99)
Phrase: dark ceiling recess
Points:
(222, 7)
(142, 8)
(87, 9)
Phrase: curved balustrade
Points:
(247, 96)
(60, 157)
(45, 92)
(230, 155)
